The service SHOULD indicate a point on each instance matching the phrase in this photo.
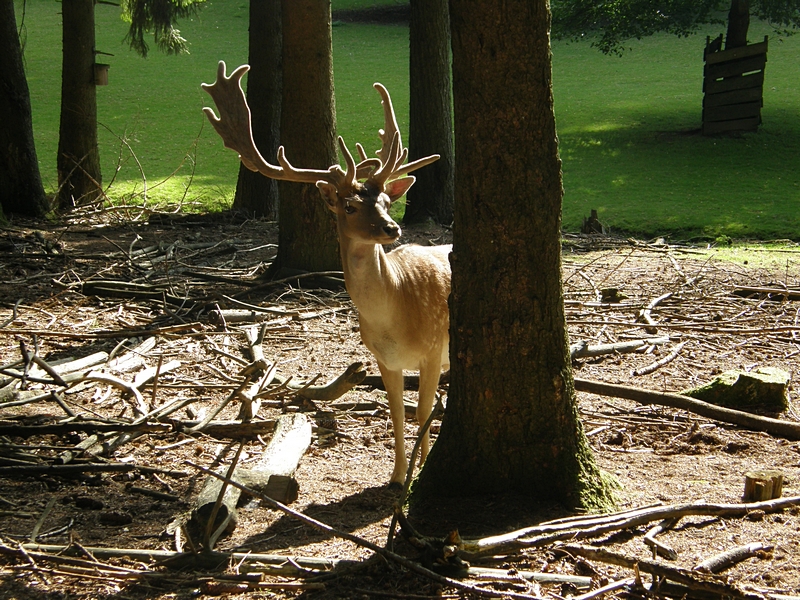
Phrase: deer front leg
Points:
(393, 382)
(428, 384)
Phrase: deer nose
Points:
(392, 230)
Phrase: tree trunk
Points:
(738, 24)
(78, 160)
(430, 122)
(307, 238)
(257, 195)
(511, 424)
(20, 182)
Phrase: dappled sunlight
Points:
(208, 190)
(599, 127)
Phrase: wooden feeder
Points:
(101, 74)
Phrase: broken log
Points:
(273, 476)
(777, 427)
(207, 499)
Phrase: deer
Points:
(401, 296)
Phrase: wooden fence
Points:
(733, 85)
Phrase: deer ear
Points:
(328, 193)
(398, 187)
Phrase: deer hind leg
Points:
(428, 384)
(393, 382)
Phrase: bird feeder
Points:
(101, 74)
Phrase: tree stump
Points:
(763, 389)
(762, 485)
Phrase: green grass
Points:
(627, 126)
(631, 150)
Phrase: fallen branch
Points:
(228, 429)
(127, 289)
(647, 369)
(584, 350)
(596, 525)
(727, 559)
(776, 294)
(277, 564)
(644, 314)
(655, 545)
(69, 470)
(777, 427)
(695, 580)
(14, 429)
(352, 376)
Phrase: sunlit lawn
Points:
(627, 126)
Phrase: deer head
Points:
(372, 183)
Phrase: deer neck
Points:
(369, 276)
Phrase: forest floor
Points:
(51, 305)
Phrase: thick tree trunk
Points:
(738, 24)
(20, 182)
(511, 423)
(255, 194)
(307, 239)
(78, 158)
(430, 122)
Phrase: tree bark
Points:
(255, 194)
(430, 113)
(78, 160)
(21, 188)
(738, 24)
(307, 237)
(511, 424)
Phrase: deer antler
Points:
(392, 154)
(234, 126)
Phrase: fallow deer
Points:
(401, 296)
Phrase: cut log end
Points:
(762, 485)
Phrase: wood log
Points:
(207, 498)
(762, 485)
(273, 476)
(769, 293)
(777, 427)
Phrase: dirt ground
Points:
(51, 304)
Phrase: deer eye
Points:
(349, 209)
